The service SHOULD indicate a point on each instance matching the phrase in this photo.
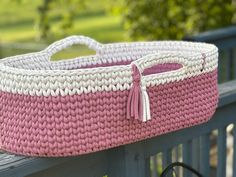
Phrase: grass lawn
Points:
(17, 24)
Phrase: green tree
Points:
(43, 21)
(174, 19)
(64, 19)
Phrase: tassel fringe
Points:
(138, 105)
(146, 105)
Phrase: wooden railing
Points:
(149, 157)
(133, 160)
(225, 40)
(195, 142)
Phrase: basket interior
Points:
(159, 68)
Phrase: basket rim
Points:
(107, 51)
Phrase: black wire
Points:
(170, 167)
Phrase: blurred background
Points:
(27, 25)
(30, 25)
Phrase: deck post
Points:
(127, 161)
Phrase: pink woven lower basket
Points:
(124, 93)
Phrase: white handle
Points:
(139, 84)
(71, 40)
(161, 58)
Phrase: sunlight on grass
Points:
(17, 24)
(18, 35)
(73, 52)
(102, 28)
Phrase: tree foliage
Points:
(64, 18)
(43, 21)
(174, 19)
(143, 19)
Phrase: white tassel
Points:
(146, 105)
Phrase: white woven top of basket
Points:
(34, 74)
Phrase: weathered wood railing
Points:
(133, 160)
(225, 40)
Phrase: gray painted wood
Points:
(128, 160)
(116, 162)
(227, 93)
(234, 62)
(215, 35)
(221, 155)
(220, 66)
(196, 154)
(227, 65)
(234, 155)
(154, 163)
(231, 63)
(187, 156)
(204, 155)
(167, 159)
(225, 40)
(135, 160)
(147, 167)
(33, 166)
(167, 141)
(95, 167)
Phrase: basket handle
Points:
(72, 40)
(138, 105)
(161, 58)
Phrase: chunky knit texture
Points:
(69, 108)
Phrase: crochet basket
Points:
(124, 93)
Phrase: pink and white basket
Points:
(125, 93)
